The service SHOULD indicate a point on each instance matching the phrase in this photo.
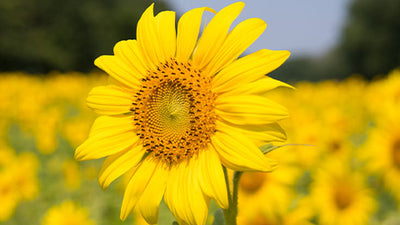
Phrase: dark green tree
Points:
(39, 36)
(371, 38)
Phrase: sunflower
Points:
(339, 194)
(178, 106)
(18, 180)
(68, 213)
(381, 152)
(276, 188)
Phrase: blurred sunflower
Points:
(18, 180)
(9, 196)
(178, 106)
(26, 175)
(72, 174)
(295, 214)
(339, 195)
(382, 152)
(68, 213)
(255, 189)
(384, 93)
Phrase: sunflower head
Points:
(251, 182)
(174, 111)
(68, 213)
(340, 192)
(181, 104)
(343, 195)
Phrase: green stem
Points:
(236, 178)
(227, 183)
(228, 190)
(230, 214)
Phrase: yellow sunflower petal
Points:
(148, 38)
(259, 133)
(238, 153)
(188, 32)
(259, 87)
(128, 52)
(150, 200)
(248, 69)
(137, 186)
(249, 109)
(238, 40)
(117, 164)
(197, 200)
(175, 192)
(109, 135)
(211, 177)
(116, 68)
(184, 196)
(166, 26)
(214, 34)
(109, 100)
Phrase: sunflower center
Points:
(335, 146)
(174, 111)
(251, 182)
(343, 196)
(396, 153)
(263, 220)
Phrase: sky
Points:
(304, 27)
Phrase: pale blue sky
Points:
(305, 27)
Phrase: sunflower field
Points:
(339, 165)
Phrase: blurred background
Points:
(345, 55)
(328, 39)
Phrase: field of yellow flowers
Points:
(340, 164)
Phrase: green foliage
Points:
(371, 37)
(43, 35)
(267, 148)
(328, 66)
(369, 46)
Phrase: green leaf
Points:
(175, 223)
(269, 147)
(218, 217)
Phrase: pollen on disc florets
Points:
(174, 111)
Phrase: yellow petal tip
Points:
(210, 10)
(150, 10)
(102, 182)
(239, 4)
(123, 214)
(285, 54)
(98, 61)
(77, 157)
(78, 154)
